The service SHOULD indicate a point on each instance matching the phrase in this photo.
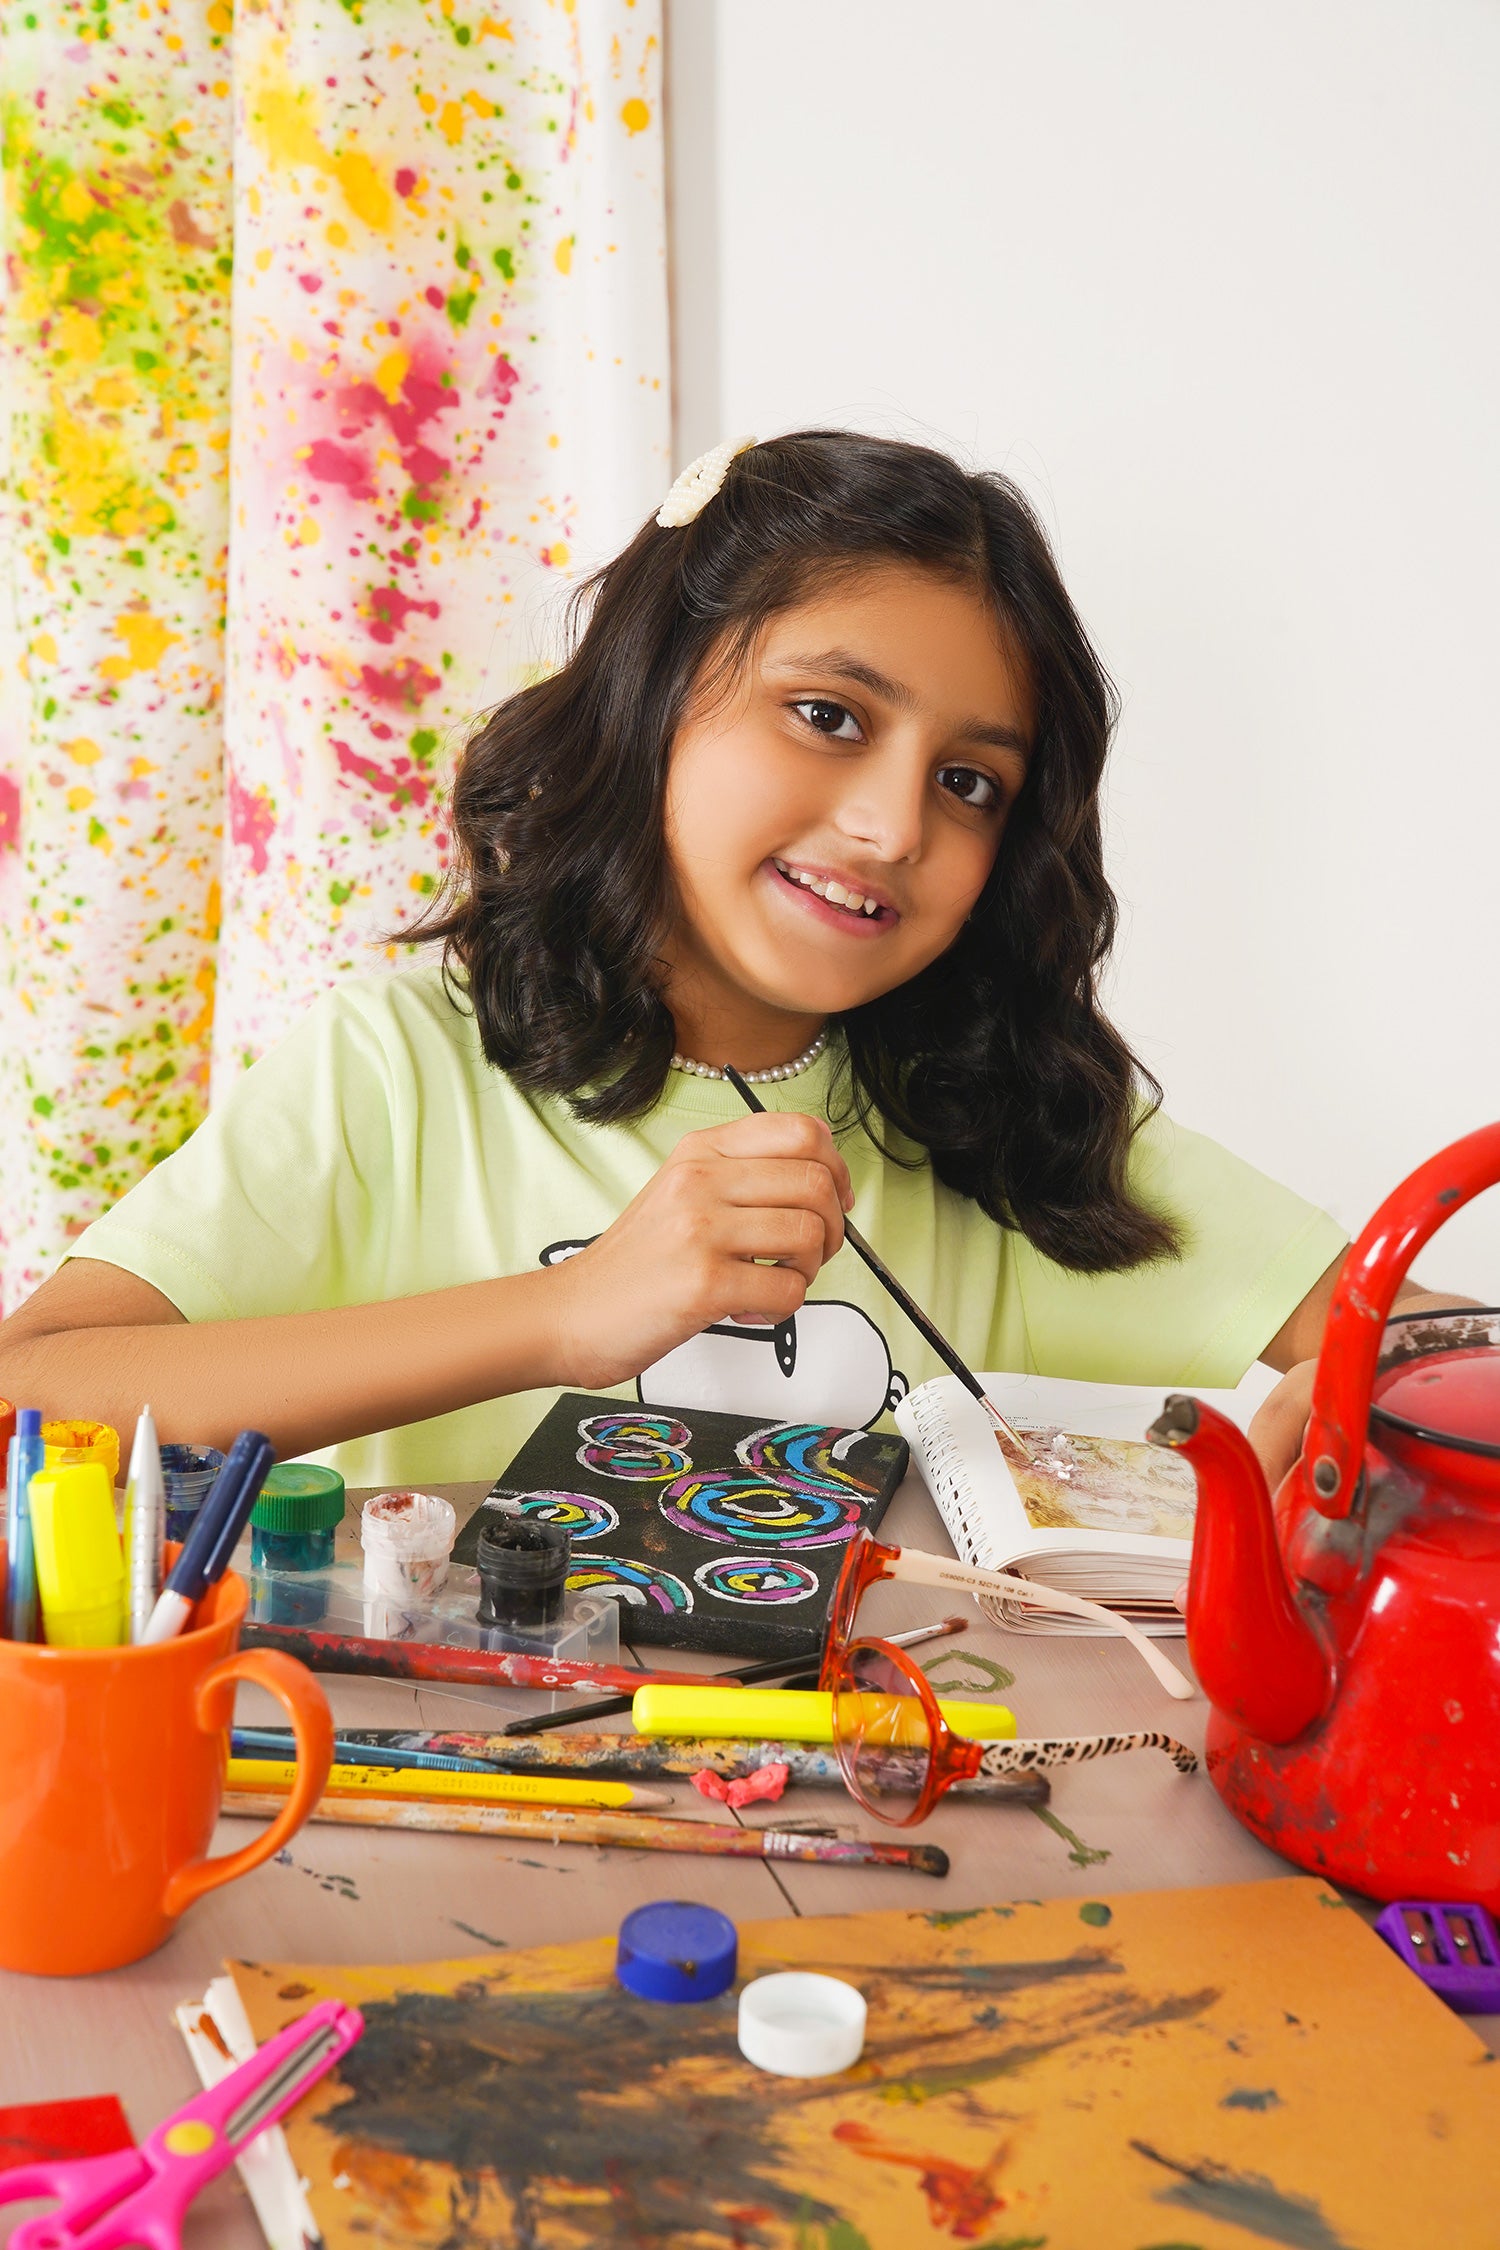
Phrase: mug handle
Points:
(312, 1726)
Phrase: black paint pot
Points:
(523, 1573)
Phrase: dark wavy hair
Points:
(996, 1060)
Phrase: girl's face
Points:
(831, 819)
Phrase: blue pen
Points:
(212, 1540)
(23, 1617)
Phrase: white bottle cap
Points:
(801, 2026)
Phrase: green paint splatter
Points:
(1096, 1913)
(1082, 1854)
(984, 1676)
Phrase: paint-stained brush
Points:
(1008, 1437)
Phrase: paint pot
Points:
(797, 2025)
(71, 1445)
(523, 1573)
(187, 1472)
(677, 1951)
(407, 1538)
(292, 1528)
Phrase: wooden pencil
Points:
(635, 1757)
(644, 1832)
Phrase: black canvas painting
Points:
(721, 1533)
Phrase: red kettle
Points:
(1349, 1639)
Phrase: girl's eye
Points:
(833, 719)
(979, 791)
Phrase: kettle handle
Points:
(1333, 1449)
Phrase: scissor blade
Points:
(303, 2062)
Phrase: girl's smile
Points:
(833, 812)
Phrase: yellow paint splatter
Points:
(562, 256)
(140, 767)
(82, 751)
(308, 533)
(78, 334)
(636, 115)
(557, 554)
(336, 234)
(489, 29)
(391, 374)
(75, 202)
(479, 105)
(79, 798)
(45, 647)
(284, 124)
(146, 640)
(451, 122)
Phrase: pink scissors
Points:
(139, 2195)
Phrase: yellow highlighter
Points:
(783, 1714)
(80, 1569)
(276, 1775)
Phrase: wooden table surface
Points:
(349, 1895)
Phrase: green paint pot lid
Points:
(299, 1496)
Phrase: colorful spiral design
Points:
(577, 1512)
(641, 1585)
(792, 1492)
(756, 1579)
(642, 1448)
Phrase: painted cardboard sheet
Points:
(1204, 2070)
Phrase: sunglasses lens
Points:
(881, 1734)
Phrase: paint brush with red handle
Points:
(469, 1667)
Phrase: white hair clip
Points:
(698, 483)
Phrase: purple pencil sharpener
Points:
(1453, 1948)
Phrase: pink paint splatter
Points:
(406, 180)
(252, 820)
(500, 382)
(333, 464)
(404, 684)
(391, 608)
(311, 282)
(10, 814)
(402, 789)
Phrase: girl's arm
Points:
(96, 1341)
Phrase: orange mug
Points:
(111, 1771)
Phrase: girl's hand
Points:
(683, 1255)
(1277, 1425)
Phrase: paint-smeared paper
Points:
(1220, 2068)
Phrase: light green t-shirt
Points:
(375, 1154)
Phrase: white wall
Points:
(1217, 285)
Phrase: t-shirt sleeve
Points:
(1251, 1252)
(279, 1201)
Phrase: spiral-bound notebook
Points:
(1102, 1514)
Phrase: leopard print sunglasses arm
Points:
(1075, 1749)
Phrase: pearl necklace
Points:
(792, 1069)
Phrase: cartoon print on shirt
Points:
(829, 1363)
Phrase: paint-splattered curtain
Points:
(334, 340)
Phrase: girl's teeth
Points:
(853, 902)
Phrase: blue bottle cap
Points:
(674, 1950)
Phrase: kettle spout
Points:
(1256, 1655)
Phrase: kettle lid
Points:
(1448, 1397)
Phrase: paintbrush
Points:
(429, 1660)
(739, 1675)
(906, 1301)
(644, 1832)
(613, 1757)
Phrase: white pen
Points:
(145, 1525)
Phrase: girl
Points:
(817, 793)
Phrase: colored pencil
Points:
(355, 1750)
(741, 1675)
(626, 1757)
(275, 1776)
(905, 1300)
(644, 1832)
(426, 1660)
